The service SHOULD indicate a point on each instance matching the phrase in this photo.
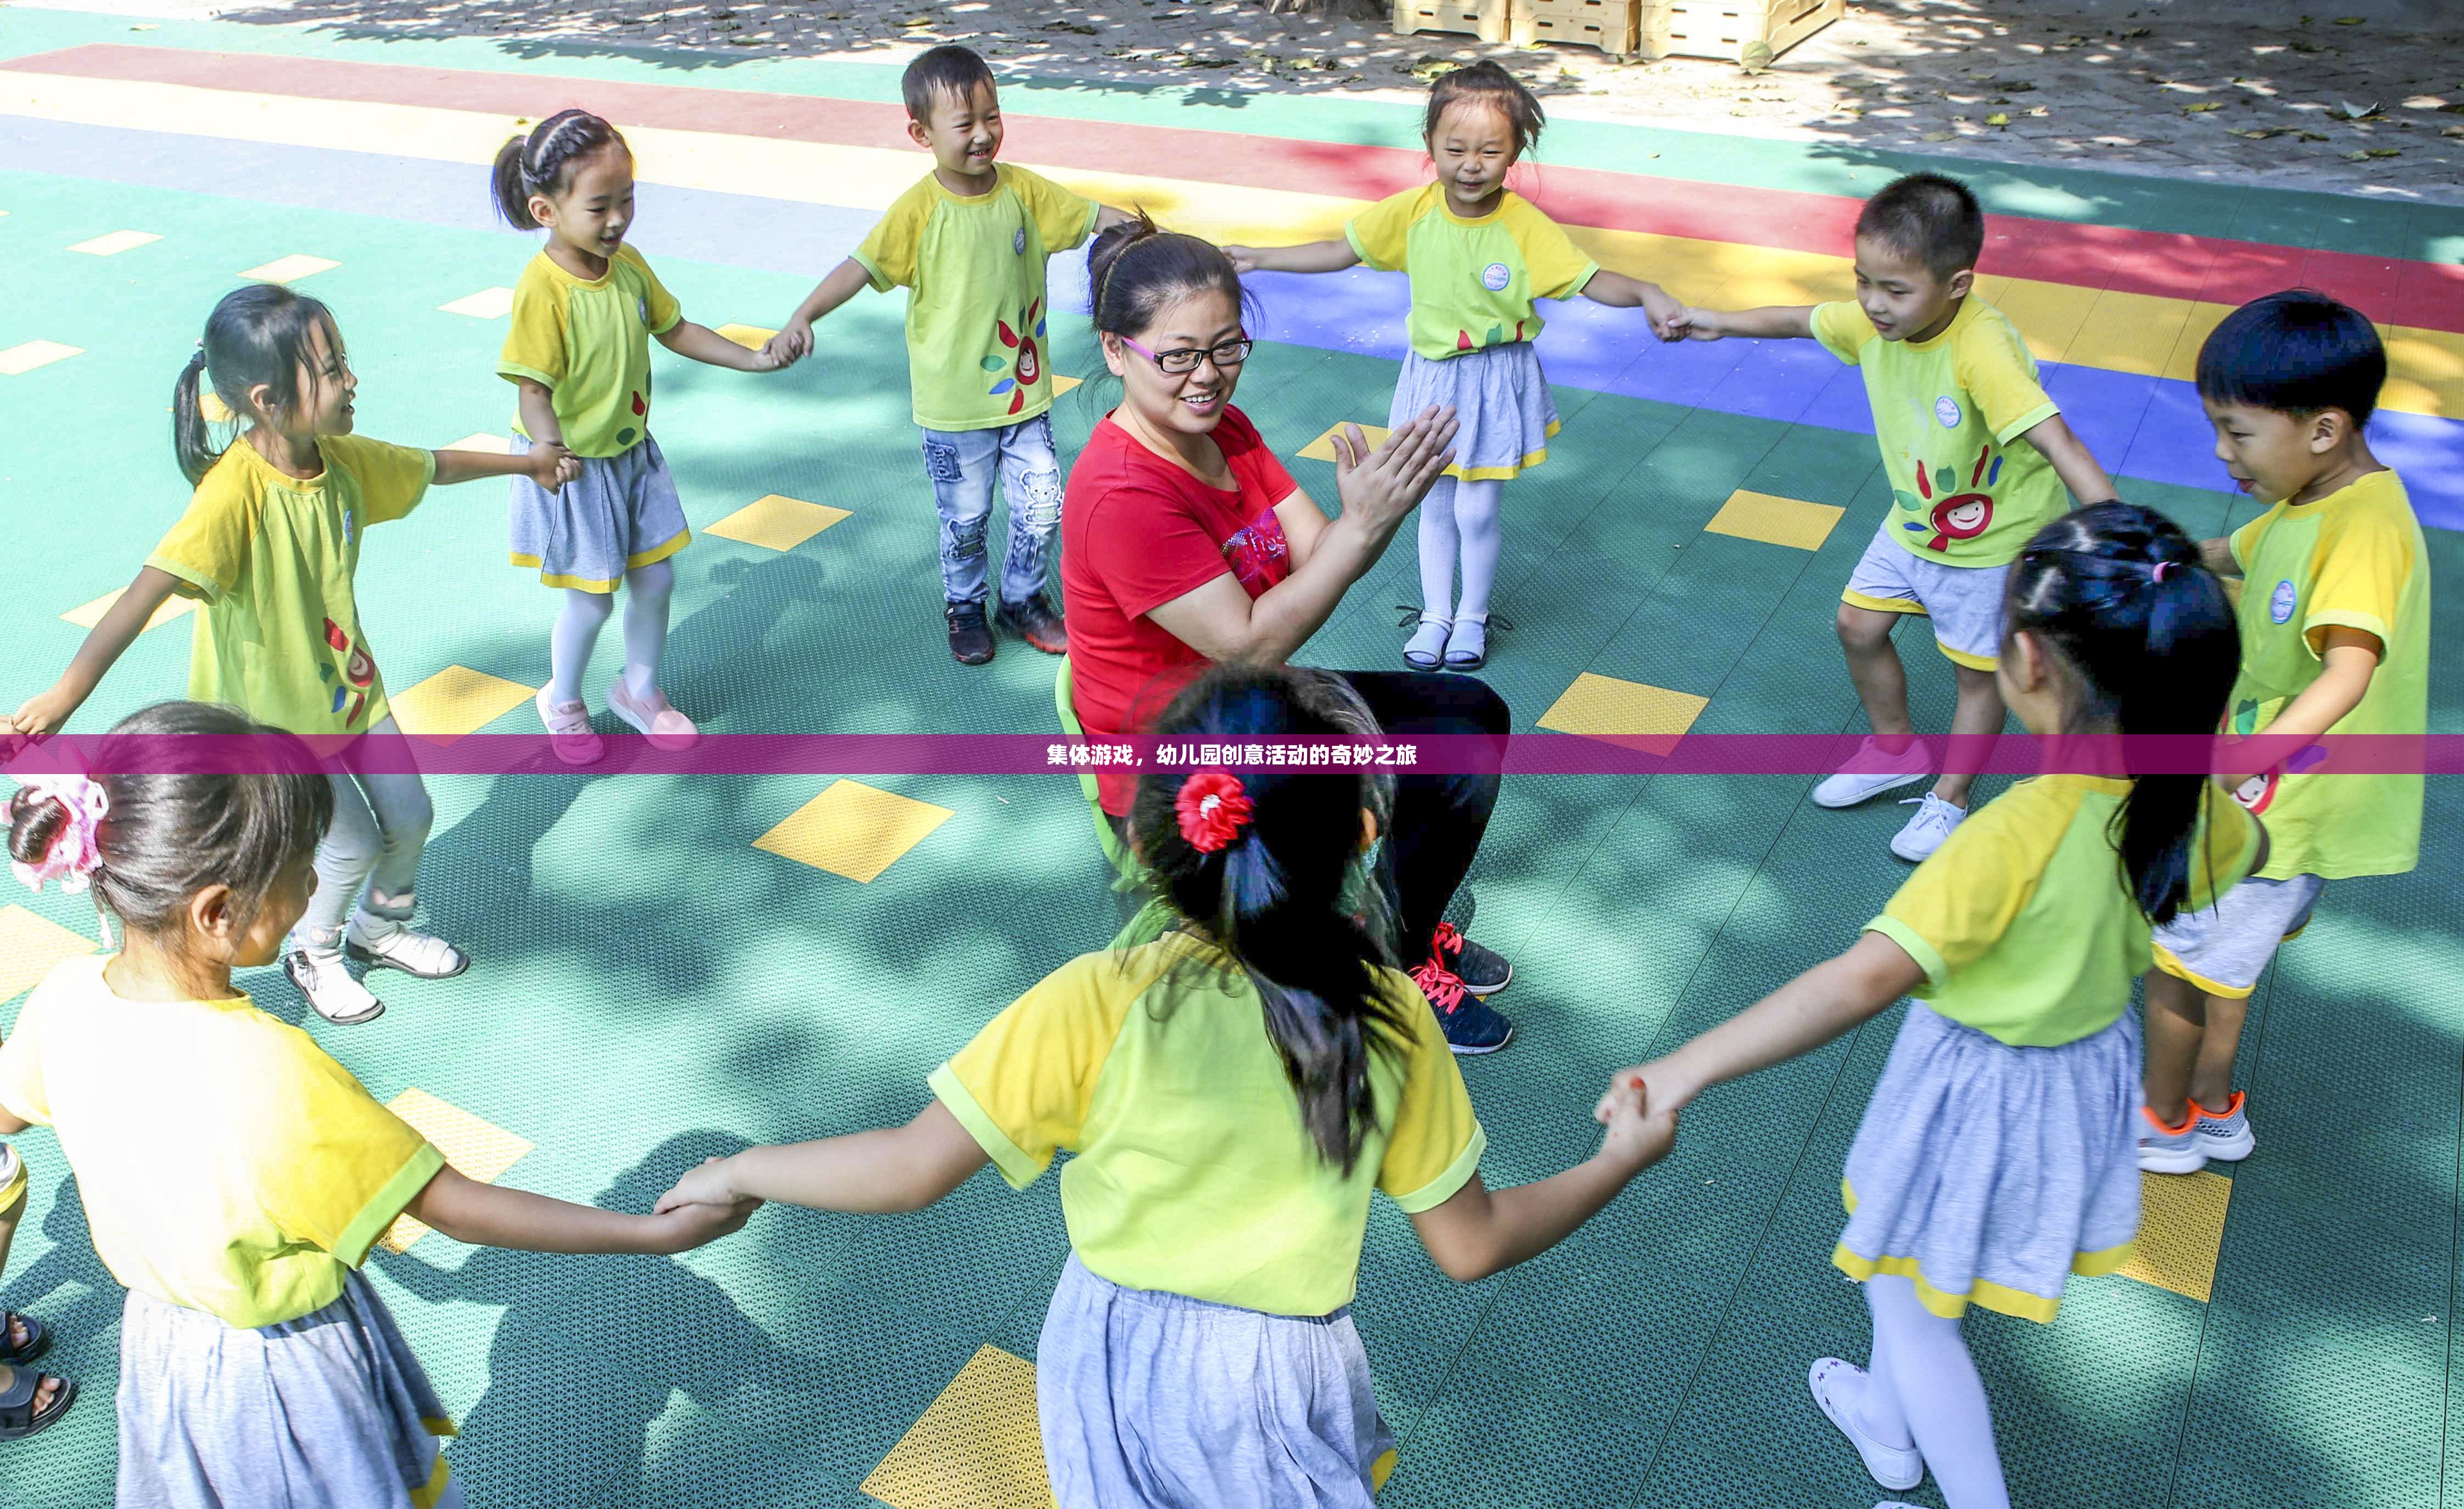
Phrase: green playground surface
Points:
(650, 988)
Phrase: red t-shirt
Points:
(1137, 532)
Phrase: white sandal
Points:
(1424, 651)
(1476, 654)
(422, 956)
(331, 992)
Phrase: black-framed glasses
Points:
(1184, 361)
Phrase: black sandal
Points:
(38, 1339)
(18, 1416)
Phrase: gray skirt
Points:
(327, 1412)
(620, 514)
(1988, 1174)
(1503, 410)
(1153, 1399)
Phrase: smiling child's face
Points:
(1902, 295)
(964, 134)
(595, 207)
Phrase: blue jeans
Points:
(962, 464)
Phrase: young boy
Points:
(2335, 640)
(1953, 387)
(969, 241)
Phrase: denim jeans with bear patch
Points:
(962, 464)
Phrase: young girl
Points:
(1998, 1153)
(1477, 256)
(580, 353)
(233, 1176)
(1233, 1091)
(271, 543)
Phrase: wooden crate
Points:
(1721, 28)
(1486, 19)
(1608, 25)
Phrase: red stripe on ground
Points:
(2167, 265)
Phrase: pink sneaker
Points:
(568, 731)
(668, 729)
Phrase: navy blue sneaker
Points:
(1470, 1026)
(1483, 972)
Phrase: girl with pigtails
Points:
(578, 351)
(1233, 1091)
(270, 543)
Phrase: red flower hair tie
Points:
(1213, 810)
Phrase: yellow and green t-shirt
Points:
(977, 353)
(1193, 1173)
(272, 557)
(1472, 280)
(1949, 413)
(226, 1162)
(587, 342)
(2023, 921)
(2354, 559)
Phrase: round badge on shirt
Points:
(1946, 408)
(2280, 603)
(1495, 277)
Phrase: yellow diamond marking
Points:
(86, 615)
(493, 444)
(456, 701)
(117, 243)
(1643, 717)
(751, 337)
(853, 830)
(1774, 520)
(290, 269)
(487, 303)
(777, 521)
(1322, 449)
(476, 1149)
(31, 354)
(2181, 1228)
(31, 944)
(978, 1446)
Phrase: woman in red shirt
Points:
(1184, 541)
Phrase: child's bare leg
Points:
(2211, 1077)
(2176, 1030)
(1979, 714)
(1873, 667)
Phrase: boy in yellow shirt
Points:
(969, 242)
(2335, 640)
(1953, 389)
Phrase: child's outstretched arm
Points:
(1478, 1232)
(493, 1215)
(1810, 1011)
(794, 341)
(2072, 461)
(1620, 292)
(896, 1168)
(46, 710)
(548, 463)
(1771, 322)
(1313, 257)
(702, 343)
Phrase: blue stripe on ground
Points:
(2139, 426)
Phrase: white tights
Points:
(1459, 520)
(1923, 1388)
(648, 590)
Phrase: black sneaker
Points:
(971, 638)
(1483, 972)
(1035, 622)
(1470, 1026)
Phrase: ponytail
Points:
(541, 162)
(2146, 637)
(191, 443)
(1285, 895)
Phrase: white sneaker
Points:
(2226, 1138)
(326, 980)
(2170, 1149)
(382, 944)
(1835, 1384)
(1924, 833)
(1873, 770)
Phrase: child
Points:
(1232, 1091)
(969, 242)
(29, 1401)
(233, 1176)
(2335, 636)
(272, 542)
(1994, 1158)
(579, 353)
(1477, 256)
(1953, 387)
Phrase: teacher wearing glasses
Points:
(1184, 541)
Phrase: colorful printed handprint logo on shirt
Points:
(357, 670)
(1951, 515)
(1020, 361)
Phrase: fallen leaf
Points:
(2349, 111)
(2453, 131)
(1997, 118)
(2386, 151)
(2135, 32)
(2257, 133)
(2348, 20)
(2202, 107)
(2014, 86)
(2312, 136)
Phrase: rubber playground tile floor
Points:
(669, 967)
